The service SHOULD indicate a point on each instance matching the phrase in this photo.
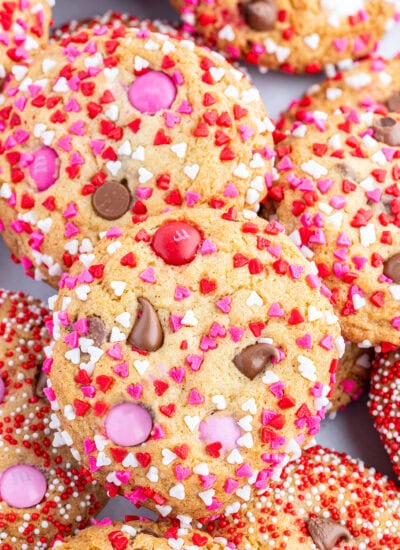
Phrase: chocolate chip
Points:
(345, 170)
(393, 103)
(387, 130)
(260, 15)
(252, 360)
(41, 384)
(391, 268)
(147, 333)
(326, 533)
(2, 83)
(111, 200)
(97, 330)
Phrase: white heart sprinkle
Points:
(141, 366)
(191, 171)
(244, 492)
(124, 319)
(192, 422)
(114, 166)
(118, 287)
(177, 491)
(130, 461)
(140, 63)
(168, 457)
(179, 149)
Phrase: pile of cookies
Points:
(223, 281)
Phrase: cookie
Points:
(300, 36)
(142, 535)
(24, 29)
(353, 375)
(116, 19)
(372, 85)
(146, 331)
(44, 492)
(384, 402)
(324, 501)
(337, 196)
(129, 124)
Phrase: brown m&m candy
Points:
(111, 200)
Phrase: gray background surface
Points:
(351, 430)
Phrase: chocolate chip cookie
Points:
(139, 535)
(338, 196)
(352, 376)
(297, 36)
(24, 30)
(371, 85)
(113, 124)
(193, 359)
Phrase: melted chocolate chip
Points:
(386, 203)
(260, 15)
(391, 268)
(111, 200)
(393, 103)
(253, 360)
(97, 330)
(387, 130)
(147, 333)
(41, 384)
(345, 170)
(326, 533)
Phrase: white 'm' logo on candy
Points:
(181, 235)
(20, 477)
(40, 165)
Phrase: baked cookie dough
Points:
(139, 536)
(337, 195)
(372, 85)
(384, 401)
(293, 36)
(352, 377)
(43, 490)
(193, 358)
(24, 29)
(113, 124)
(325, 501)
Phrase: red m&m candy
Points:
(176, 243)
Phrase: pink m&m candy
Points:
(128, 424)
(152, 92)
(221, 429)
(2, 390)
(44, 168)
(176, 243)
(22, 486)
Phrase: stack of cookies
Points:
(223, 282)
